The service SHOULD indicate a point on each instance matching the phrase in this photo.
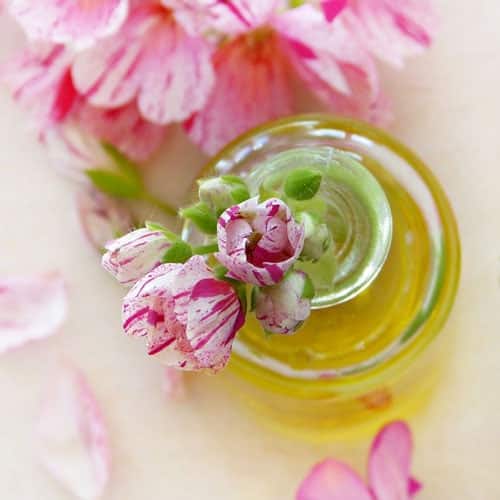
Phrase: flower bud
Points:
(283, 308)
(219, 193)
(317, 238)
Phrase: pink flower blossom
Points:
(268, 47)
(392, 29)
(134, 255)
(102, 218)
(388, 472)
(74, 445)
(258, 243)
(283, 308)
(31, 308)
(189, 317)
(75, 22)
(152, 59)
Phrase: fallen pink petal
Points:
(31, 308)
(73, 438)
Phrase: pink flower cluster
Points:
(123, 70)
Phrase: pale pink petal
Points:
(134, 255)
(31, 308)
(332, 480)
(389, 463)
(173, 383)
(75, 22)
(332, 8)
(252, 86)
(74, 443)
(215, 315)
(123, 127)
(40, 80)
(338, 68)
(102, 218)
(152, 59)
(392, 29)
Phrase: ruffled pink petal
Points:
(173, 383)
(389, 463)
(40, 80)
(332, 8)
(252, 86)
(392, 29)
(101, 218)
(31, 308)
(74, 443)
(215, 315)
(75, 22)
(123, 127)
(341, 73)
(134, 255)
(332, 480)
(152, 59)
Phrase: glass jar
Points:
(364, 355)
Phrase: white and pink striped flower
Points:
(388, 472)
(76, 22)
(134, 255)
(153, 60)
(283, 308)
(188, 317)
(258, 243)
(270, 45)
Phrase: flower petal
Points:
(252, 86)
(31, 308)
(73, 436)
(101, 218)
(332, 480)
(173, 383)
(389, 463)
(392, 29)
(153, 59)
(75, 22)
(332, 8)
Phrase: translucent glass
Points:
(364, 360)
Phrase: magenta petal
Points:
(31, 308)
(73, 436)
(332, 480)
(414, 486)
(389, 462)
(332, 8)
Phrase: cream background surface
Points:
(447, 107)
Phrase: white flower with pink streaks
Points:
(283, 308)
(388, 472)
(134, 255)
(258, 243)
(254, 69)
(76, 22)
(188, 317)
(153, 60)
(31, 308)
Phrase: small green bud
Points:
(179, 252)
(220, 193)
(201, 215)
(302, 184)
(317, 237)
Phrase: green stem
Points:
(204, 249)
(164, 207)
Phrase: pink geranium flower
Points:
(74, 22)
(388, 472)
(153, 59)
(258, 243)
(267, 47)
(188, 317)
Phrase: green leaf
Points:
(302, 184)
(125, 164)
(233, 180)
(179, 252)
(308, 291)
(201, 215)
(220, 272)
(240, 194)
(154, 226)
(115, 184)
